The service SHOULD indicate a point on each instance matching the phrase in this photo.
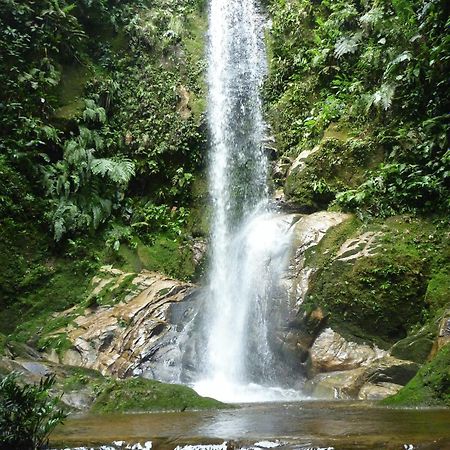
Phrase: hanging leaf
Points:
(347, 45)
(383, 97)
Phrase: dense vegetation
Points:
(372, 76)
(358, 99)
(101, 138)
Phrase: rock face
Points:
(309, 230)
(120, 339)
(331, 352)
(144, 324)
(342, 369)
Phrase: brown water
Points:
(340, 425)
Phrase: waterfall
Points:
(249, 241)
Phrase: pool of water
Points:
(300, 425)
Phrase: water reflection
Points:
(342, 425)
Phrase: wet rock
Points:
(342, 385)
(417, 347)
(309, 230)
(119, 339)
(362, 246)
(392, 370)
(199, 249)
(348, 370)
(444, 332)
(378, 391)
(331, 352)
(299, 163)
(79, 400)
(280, 168)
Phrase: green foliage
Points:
(380, 68)
(27, 413)
(139, 394)
(333, 166)
(382, 295)
(430, 386)
(130, 128)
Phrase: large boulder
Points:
(121, 339)
(343, 369)
(332, 352)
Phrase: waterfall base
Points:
(228, 392)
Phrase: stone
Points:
(299, 163)
(444, 332)
(392, 370)
(308, 231)
(378, 391)
(415, 348)
(342, 385)
(331, 352)
(362, 246)
(199, 249)
(118, 339)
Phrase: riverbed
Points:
(337, 425)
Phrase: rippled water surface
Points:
(336, 425)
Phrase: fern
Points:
(93, 112)
(383, 97)
(372, 18)
(404, 56)
(347, 45)
(119, 171)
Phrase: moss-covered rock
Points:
(139, 394)
(165, 254)
(417, 346)
(437, 294)
(337, 164)
(430, 386)
(374, 284)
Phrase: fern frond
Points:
(404, 56)
(119, 171)
(383, 97)
(348, 44)
(372, 17)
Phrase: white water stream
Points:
(250, 243)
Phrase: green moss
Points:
(164, 254)
(2, 343)
(337, 165)
(79, 377)
(325, 251)
(381, 297)
(139, 394)
(168, 256)
(430, 386)
(70, 91)
(58, 342)
(113, 293)
(66, 288)
(198, 223)
(416, 346)
(438, 290)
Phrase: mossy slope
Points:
(139, 394)
(381, 297)
(430, 386)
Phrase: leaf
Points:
(118, 170)
(347, 45)
(372, 17)
(383, 97)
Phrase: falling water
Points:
(249, 242)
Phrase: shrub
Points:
(27, 413)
